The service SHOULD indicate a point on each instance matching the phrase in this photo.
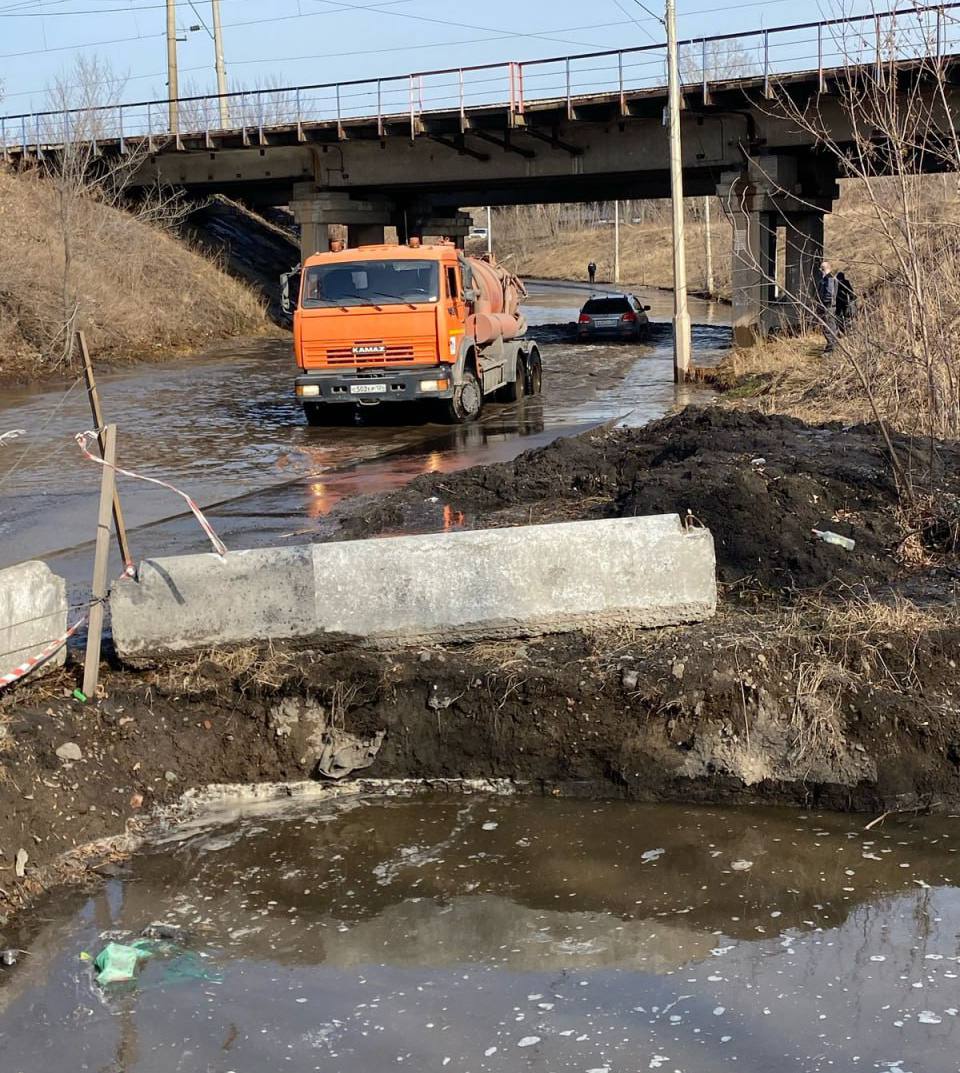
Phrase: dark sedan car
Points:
(618, 316)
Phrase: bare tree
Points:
(82, 115)
(900, 356)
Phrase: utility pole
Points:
(173, 89)
(708, 239)
(489, 231)
(616, 242)
(221, 66)
(681, 317)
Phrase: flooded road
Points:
(490, 935)
(226, 429)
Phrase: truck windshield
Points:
(367, 283)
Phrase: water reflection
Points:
(501, 934)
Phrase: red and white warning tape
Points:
(219, 547)
(34, 661)
(83, 438)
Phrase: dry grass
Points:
(646, 254)
(243, 667)
(141, 291)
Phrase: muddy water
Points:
(500, 934)
(226, 429)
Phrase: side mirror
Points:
(646, 309)
(290, 290)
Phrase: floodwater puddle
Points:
(491, 934)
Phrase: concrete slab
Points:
(33, 613)
(445, 586)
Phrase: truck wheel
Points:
(534, 373)
(514, 392)
(467, 400)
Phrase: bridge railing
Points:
(800, 48)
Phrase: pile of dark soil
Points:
(761, 483)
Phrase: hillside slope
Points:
(138, 291)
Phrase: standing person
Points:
(827, 300)
(845, 302)
(592, 271)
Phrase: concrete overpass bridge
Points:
(411, 150)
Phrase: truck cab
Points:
(397, 324)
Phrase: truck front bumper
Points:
(372, 386)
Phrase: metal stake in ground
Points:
(97, 412)
(91, 663)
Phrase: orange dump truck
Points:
(395, 324)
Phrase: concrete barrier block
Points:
(194, 601)
(528, 579)
(444, 586)
(33, 613)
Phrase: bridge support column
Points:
(314, 228)
(425, 220)
(316, 209)
(771, 198)
(804, 234)
(365, 234)
(754, 257)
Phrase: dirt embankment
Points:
(789, 695)
(136, 289)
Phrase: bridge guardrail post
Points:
(703, 70)
(569, 102)
(766, 63)
(939, 31)
(36, 134)
(340, 134)
(299, 114)
(260, 116)
(821, 87)
(413, 121)
(623, 98)
(23, 136)
(380, 126)
(3, 136)
(463, 108)
(123, 144)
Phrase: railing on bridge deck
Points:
(812, 47)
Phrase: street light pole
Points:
(173, 90)
(489, 231)
(616, 242)
(681, 317)
(221, 66)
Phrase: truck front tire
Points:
(467, 401)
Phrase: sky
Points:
(291, 42)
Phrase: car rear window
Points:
(607, 305)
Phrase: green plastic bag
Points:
(117, 963)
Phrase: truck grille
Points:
(373, 352)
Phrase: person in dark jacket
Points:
(844, 307)
(827, 301)
(592, 271)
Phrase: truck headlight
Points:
(434, 385)
(307, 390)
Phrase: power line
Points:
(379, 51)
(150, 37)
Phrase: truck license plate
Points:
(367, 389)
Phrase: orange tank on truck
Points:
(397, 324)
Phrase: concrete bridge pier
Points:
(315, 209)
(776, 205)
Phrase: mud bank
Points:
(746, 709)
(828, 679)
